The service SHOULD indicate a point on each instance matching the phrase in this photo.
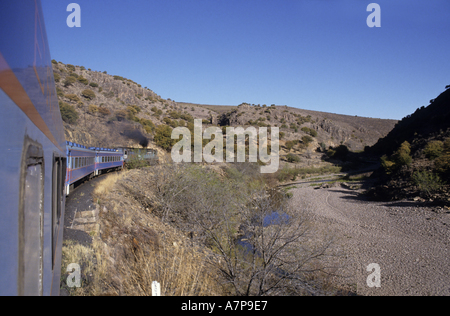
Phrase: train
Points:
(85, 163)
(38, 167)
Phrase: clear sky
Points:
(310, 54)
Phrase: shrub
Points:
(292, 158)
(104, 111)
(174, 114)
(434, 149)
(93, 108)
(427, 182)
(70, 67)
(69, 81)
(309, 131)
(163, 137)
(56, 76)
(402, 156)
(399, 158)
(72, 97)
(148, 125)
(93, 84)
(68, 113)
(289, 144)
(88, 94)
(59, 92)
(121, 115)
(83, 80)
(306, 139)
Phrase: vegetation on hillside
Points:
(200, 231)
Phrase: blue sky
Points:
(310, 54)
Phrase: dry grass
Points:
(181, 272)
(104, 186)
(92, 263)
(134, 248)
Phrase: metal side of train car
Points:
(32, 156)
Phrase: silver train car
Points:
(32, 156)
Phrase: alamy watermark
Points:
(213, 151)
(374, 279)
(74, 277)
(74, 19)
(374, 19)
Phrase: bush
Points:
(309, 131)
(72, 97)
(434, 149)
(399, 158)
(68, 113)
(388, 166)
(88, 94)
(148, 125)
(292, 158)
(163, 138)
(83, 80)
(306, 140)
(70, 67)
(427, 182)
(69, 81)
(93, 84)
(92, 108)
(104, 111)
(174, 114)
(402, 156)
(289, 144)
(121, 115)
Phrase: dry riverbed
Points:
(409, 242)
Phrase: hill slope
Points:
(416, 161)
(105, 110)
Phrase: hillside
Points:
(416, 155)
(105, 110)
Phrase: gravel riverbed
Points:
(409, 242)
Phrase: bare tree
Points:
(272, 254)
(260, 245)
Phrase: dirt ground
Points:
(408, 241)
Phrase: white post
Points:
(156, 288)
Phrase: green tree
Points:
(68, 113)
(163, 138)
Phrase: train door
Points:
(31, 221)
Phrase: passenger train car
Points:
(32, 156)
(85, 163)
(38, 168)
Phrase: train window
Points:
(57, 200)
(31, 222)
